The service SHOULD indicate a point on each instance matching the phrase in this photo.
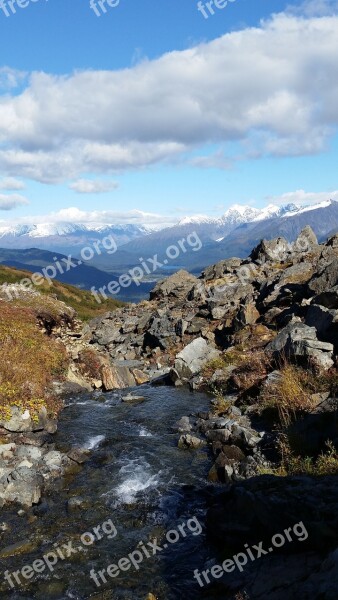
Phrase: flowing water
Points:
(136, 479)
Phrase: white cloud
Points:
(301, 197)
(99, 217)
(10, 201)
(314, 8)
(10, 183)
(11, 78)
(89, 186)
(273, 88)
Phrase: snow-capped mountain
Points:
(239, 222)
(233, 234)
(66, 237)
(238, 214)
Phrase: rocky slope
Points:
(285, 289)
(261, 334)
(38, 334)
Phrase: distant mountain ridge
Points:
(66, 237)
(233, 234)
(238, 214)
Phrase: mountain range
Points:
(66, 237)
(233, 234)
(36, 246)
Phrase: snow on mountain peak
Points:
(300, 210)
(197, 220)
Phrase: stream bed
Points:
(136, 487)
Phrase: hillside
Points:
(83, 302)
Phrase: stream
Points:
(136, 479)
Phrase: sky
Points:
(151, 110)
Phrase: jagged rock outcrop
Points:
(276, 288)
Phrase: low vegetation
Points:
(29, 361)
(30, 357)
(291, 396)
(291, 464)
(287, 395)
(81, 300)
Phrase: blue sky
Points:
(152, 107)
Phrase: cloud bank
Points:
(272, 88)
(11, 201)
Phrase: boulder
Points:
(191, 359)
(247, 315)
(140, 377)
(177, 286)
(326, 279)
(79, 455)
(221, 268)
(270, 250)
(325, 322)
(161, 328)
(182, 426)
(22, 485)
(190, 442)
(306, 241)
(21, 421)
(299, 342)
(116, 377)
(218, 435)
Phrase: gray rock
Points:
(325, 322)
(190, 442)
(133, 399)
(183, 425)
(306, 241)
(326, 279)
(221, 268)
(178, 286)
(23, 485)
(299, 342)
(190, 361)
(273, 250)
(30, 452)
(218, 435)
(22, 422)
(55, 461)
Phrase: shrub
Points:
(325, 464)
(29, 361)
(288, 395)
(90, 363)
